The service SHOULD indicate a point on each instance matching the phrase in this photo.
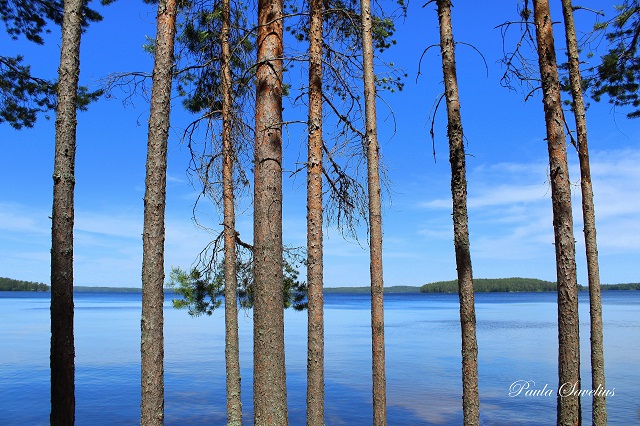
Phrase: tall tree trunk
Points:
(153, 234)
(470, 396)
(62, 343)
(232, 348)
(269, 375)
(315, 324)
(375, 222)
(599, 404)
(568, 322)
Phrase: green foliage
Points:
(29, 18)
(629, 286)
(343, 25)
(294, 292)
(200, 85)
(484, 285)
(8, 284)
(343, 16)
(618, 75)
(22, 95)
(200, 295)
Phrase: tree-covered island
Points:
(508, 285)
(8, 284)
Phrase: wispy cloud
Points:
(510, 211)
(17, 218)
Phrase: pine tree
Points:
(25, 95)
(232, 345)
(269, 375)
(375, 221)
(599, 405)
(62, 339)
(315, 357)
(618, 75)
(568, 321)
(153, 234)
(470, 395)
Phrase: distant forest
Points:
(481, 285)
(506, 285)
(8, 284)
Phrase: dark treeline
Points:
(507, 285)
(481, 285)
(629, 286)
(484, 285)
(8, 284)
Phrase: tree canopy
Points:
(23, 95)
(618, 75)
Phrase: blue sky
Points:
(509, 194)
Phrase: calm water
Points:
(517, 338)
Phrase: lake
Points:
(517, 339)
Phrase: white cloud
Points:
(17, 218)
(109, 224)
(510, 211)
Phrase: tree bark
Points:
(232, 346)
(599, 402)
(153, 234)
(375, 222)
(269, 375)
(315, 324)
(470, 395)
(568, 322)
(62, 341)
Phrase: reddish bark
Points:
(232, 345)
(375, 222)
(269, 375)
(153, 234)
(599, 402)
(315, 356)
(568, 322)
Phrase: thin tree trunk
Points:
(375, 222)
(269, 374)
(62, 342)
(153, 234)
(599, 403)
(470, 396)
(568, 322)
(232, 348)
(315, 324)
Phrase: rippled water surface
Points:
(517, 338)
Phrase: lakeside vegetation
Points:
(628, 286)
(508, 285)
(9, 284)
(490, 285)
(481, 285)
